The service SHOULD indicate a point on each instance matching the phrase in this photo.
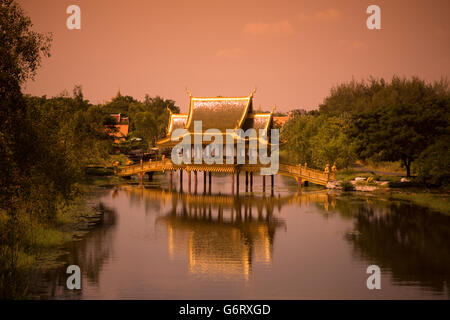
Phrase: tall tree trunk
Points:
(408, 168)
(407, 164)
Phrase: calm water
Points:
(157, 244)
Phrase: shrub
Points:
(347, 186)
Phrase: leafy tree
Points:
(21, 51)
(146, 127)
(407, 116)
(318, 140)
(20, 56)
(434, 164)
(119, 104)
(149, 119)
(353, 97)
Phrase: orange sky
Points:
(292, 51)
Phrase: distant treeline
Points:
(404, 120)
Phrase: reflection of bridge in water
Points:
(224, 235)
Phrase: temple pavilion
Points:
(230, 117)
(220, 113)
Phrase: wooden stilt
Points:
(299, 185)
(170, 180)
(195, 181)
(181, 179)
(232, 183)
(209, 181)
(246, 181)
(251, 181)
(271, 184)
(264, 182)
(189, 181)
(204, 181)
(237, 182)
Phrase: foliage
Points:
(347, 186)
(403, 118)
(352, 98)
(119, 104)
(150, 118)
(44, 145)
(434, 163)
(318, 140)
(21, 48)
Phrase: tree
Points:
(119, 104)
(406, 117)
(20, 56)
(21, 51)
(149, 119)
(318, 140)
(434, 164)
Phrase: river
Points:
(158, 243)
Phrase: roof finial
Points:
(168, 109)
(189, 93)
(274, 107)
(253, 92)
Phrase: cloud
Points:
(230, 54)
(269, 29)
(328, 15)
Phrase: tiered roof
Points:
(220, 113)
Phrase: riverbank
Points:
(397, 188)
(436, 201)
(33, 246)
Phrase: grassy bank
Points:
(29, 245)
(435, 201)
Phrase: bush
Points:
(434, 164)
(347, 186)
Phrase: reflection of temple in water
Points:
(223, 234)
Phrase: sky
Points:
(293, 52)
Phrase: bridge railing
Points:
(307, 173)
(294, 170)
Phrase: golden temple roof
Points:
(220, 113)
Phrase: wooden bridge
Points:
(299, 172)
